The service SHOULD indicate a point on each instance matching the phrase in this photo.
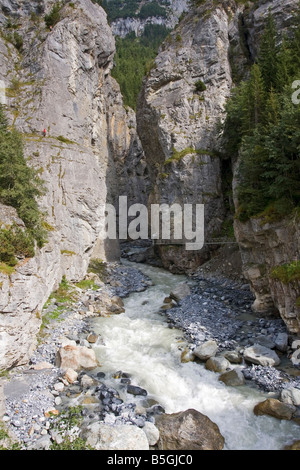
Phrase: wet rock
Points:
(92, 337)
(135, 390)
(188, 430)
(294, 446)
(275, 408)
(295, 357)
(233, 378)
(291, 396)
(281, 342)
(206, 350)
(217, 364)
(151, 432)
(233, 356)
(261, 355)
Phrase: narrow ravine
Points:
(141, 343)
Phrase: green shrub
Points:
(54, 16)
(287, 272)
(200, 86)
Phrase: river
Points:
(140, 342)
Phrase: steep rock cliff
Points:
(59, 81)
(265, 245)
(181, 104)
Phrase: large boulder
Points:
(261, 355)
(217, 364)
(188, 430)
(291, 396)
(76, 358)
(120, 437)
(275, 408)
(206, 350)
(233, 378)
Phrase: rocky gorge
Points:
(239, 323)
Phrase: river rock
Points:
(233, 356)
(281, 342)
(92, 337)
(151, 432)
(295, 344)
(71, 375)
(275, 408)
(180, 291)
(291, 396)
(135, 390)
(217, 364)
(233, 378)
(76, 357)
(261, 355)
(295, 357)
(294, 446)
(206, 350)
(188, 430)
(119, 437)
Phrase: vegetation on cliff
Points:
(20, 185)
(134, 58)
(263, 128)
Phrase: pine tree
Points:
(267, 58)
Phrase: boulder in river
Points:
(188, 430)
(261, 355)
(76, 358)
(233, 378)
(275, 408)
(206, 350)
(217, 364)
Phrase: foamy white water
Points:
(139, 342)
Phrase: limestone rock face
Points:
(263, 244)
(63, 86)
(177, 121)
(188, 430)
(263, 247)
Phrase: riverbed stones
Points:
(206, 350)
(135, 390)
(188, 430)
(180, 292)
(291, 396)
(275, 408)
(294, 446)
(120, 437)
(70, 375)
(92, 337)
(151, 432)
(281, 342)
(234, 357)
(295, 357)
(76, 358)
(261, 355)
(217, 364)
(233, 378)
